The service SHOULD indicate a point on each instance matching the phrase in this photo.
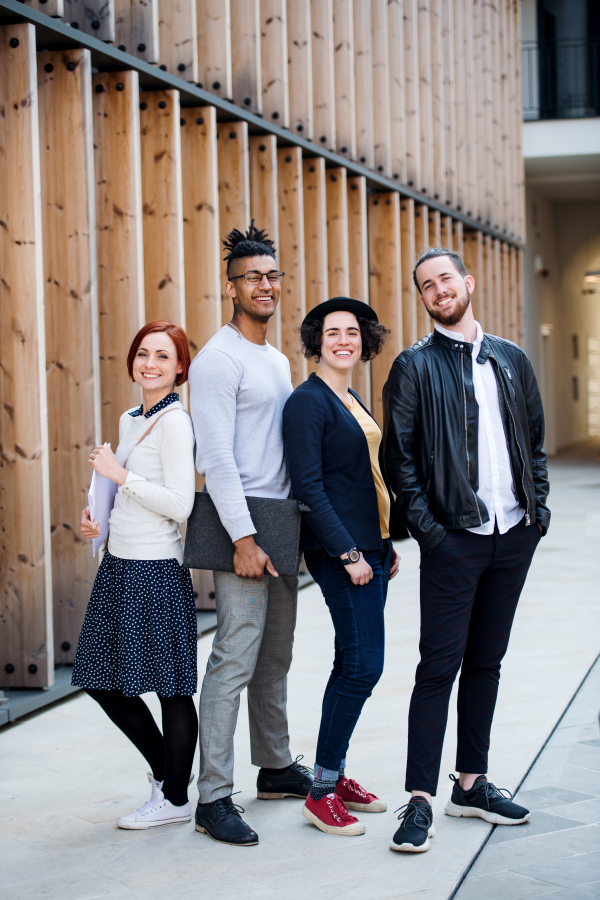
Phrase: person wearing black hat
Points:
(332, 445)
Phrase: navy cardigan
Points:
(330, 469)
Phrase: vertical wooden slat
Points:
(425, 96)
(136, 28)
(409, 292)
(513, 296)
(358, 268)
(53, 8)
(264, 204)
(95, 17)
(479, 85)
(422, 240)
(439, 111)
(473, 257)
(363, 82)
(385, 279)
(486, 296)
(234, 191)
(337, 232)
(119, 239)
(214, 46)
(300, 67)
(411, 84)
(177, 31)
(460, 106)
(201, 235)
(435, 228)
(25, 550)
(517, 130)
(457, 237)
(291, 256)
(397, 91)
(323, 66)
(162, 206)
(315, 230)
(497, 114)
(466, 60)
(446, 236)
(274, 61)
(497, 276)
(381, 87)
(345, 106)
(245, 54)
(448, 27)
(486, 75)
(71, 305)
(519, 289)
(506, 310)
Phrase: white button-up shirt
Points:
(496, 484)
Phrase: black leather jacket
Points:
(431, 428)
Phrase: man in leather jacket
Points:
(463, 432)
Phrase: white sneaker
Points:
(156, 812)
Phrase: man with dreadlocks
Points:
(238, 387)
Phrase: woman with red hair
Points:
(140, 632)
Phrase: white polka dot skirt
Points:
(139, 633)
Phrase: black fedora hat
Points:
(341, 304)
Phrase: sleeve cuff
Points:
(130, 481)
(241, 528)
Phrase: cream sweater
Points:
(159, 492)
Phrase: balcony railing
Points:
(561, 79)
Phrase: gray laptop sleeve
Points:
(277, 523)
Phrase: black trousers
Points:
(470, 587)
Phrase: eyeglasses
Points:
(256, 277)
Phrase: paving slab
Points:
(67, 772)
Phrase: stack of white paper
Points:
(101, 498)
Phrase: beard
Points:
(454, 317)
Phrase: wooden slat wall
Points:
(162, 206)
(25, 553)
(358, 268)
(213, 19)
(274, 61)
(120, 249)
(71, 310)
(425, 92)
(338, 271)
(385, 280)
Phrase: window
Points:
(593, 350)
(593, 406)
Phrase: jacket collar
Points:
(457, 345)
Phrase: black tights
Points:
(170, 757)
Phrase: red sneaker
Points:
(331, 816)
(355, 797)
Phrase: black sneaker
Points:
(486, 801)
(296, 781)
(221, 820)
(416, 826)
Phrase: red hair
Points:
(179, 338)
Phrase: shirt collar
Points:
(456, 336)
(166, 401)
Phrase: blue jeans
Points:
(357, 615)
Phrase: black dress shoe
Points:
(485, 801)
(296, 781)
(221, 820)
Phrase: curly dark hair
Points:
(373, 334)
(256, 242)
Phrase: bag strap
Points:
(147, 432)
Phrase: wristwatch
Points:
(352, 556)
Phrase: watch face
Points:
(354, 556)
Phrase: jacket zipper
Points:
(527, 515)
(507, 370)
(462, 369)
(430, 471)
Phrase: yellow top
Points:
(373, 436)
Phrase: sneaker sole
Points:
(264, 795)
(217, 841)
(411, 848)
(374, 807)
(472, 812)
(350, 830)
(143, 826)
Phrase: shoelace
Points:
(414, 812)
(305, 769)
(226, 806)
(337, 808)
(355, 787)
(489, 790)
